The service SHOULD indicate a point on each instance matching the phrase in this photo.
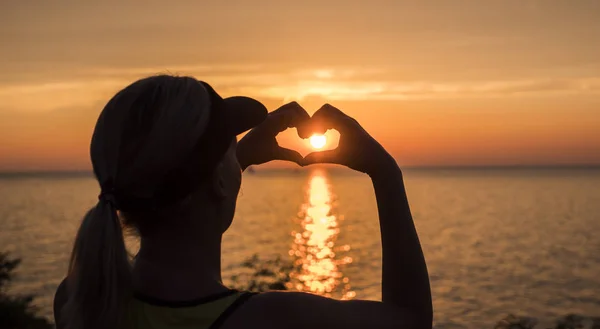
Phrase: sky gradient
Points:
(438, 83)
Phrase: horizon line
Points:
(334, 167)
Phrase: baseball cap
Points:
(239, 113)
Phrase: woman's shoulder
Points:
(273, 309)
(288, 309)
(60, 299)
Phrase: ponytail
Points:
(99, 276)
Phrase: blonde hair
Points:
(143, 133)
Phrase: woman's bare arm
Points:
(406, 296)
(405, 280)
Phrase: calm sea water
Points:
(496, 241)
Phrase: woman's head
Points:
(161, 141)
(163, 151)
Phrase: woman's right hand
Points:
(356, 148)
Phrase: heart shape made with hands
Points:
(310, 136)
(305, 143)
(273, 140)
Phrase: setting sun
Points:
(318, 141)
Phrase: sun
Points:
(318, 141)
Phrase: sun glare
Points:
(318, 141)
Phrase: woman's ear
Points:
(218, 183)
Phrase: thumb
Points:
(329, 156)
(282, 153)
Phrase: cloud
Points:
(46, 97)
(271, 82)
(348, 85)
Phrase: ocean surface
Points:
(497, 241)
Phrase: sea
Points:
(497, 241)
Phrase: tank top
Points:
(205, 313)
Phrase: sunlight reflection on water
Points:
(318, 268)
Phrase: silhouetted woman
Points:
(165, 154)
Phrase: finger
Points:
(329, 156)
(330, 117)
(298, 118)
(291, 107)
(282, 153)
(287, 116)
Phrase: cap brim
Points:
(243, 113)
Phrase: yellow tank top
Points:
(205, 313)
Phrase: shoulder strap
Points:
(230, 309)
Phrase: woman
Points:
(165, 154)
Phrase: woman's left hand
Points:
(260, 145)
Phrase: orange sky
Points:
(465, 82)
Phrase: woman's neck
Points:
(178, 269)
